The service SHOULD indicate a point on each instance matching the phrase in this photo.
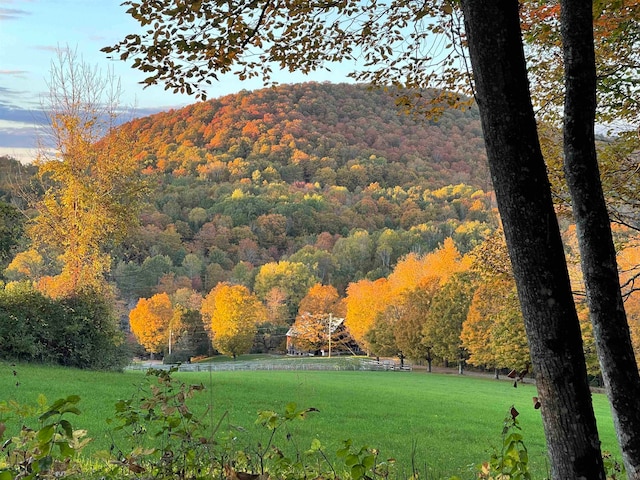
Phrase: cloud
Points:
(18, 135)
(137, 112)
(22, 127)
(14, 73)
(47, 48)
(24, 155)
(16, 114)
(12, 14)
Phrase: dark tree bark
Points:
(598, 256)
(533, 237)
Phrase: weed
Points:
(512, 461)
(166, 439)
(52, 450)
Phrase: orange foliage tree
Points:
(233, 312)
(155, 322)
(27, 264)
(446, 261)
(416, 282)
(402, 301)
(628, 262)
(365, 299)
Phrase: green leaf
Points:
(351, 460)
(316, 446)
(65, 449)
(369, 461)
(6, 475)
(58, 404)
(45, 463)
(344, 451)
(68, 429)
(357, 472)
(290, 407)
(45, 434)
(73, 410)
(268, 419)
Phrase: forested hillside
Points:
(314, 133)
(334, 176)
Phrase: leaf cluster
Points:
(51, 451)
(188, 45)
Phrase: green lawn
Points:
(449, 421)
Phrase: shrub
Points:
(79, 331)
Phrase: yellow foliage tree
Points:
(233, 312)
(632, 306)
(447, 312)
(293, 278)
(410, 311)
(28, 264)
(493, 332)
(276, 302)
(477, 329)
(508, 334)
(92, 186)
(155, 322)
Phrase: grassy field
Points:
(449, 422)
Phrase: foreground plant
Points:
(51, 451)
(167, 440)
(512, 461)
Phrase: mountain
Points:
(314, 133)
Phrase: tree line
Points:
(442, 307)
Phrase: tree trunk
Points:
(598, 256)
(533, 237)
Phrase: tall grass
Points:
(442, 424)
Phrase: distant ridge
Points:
(301, 130)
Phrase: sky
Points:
(32, 30)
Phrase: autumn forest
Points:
(236, 221)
